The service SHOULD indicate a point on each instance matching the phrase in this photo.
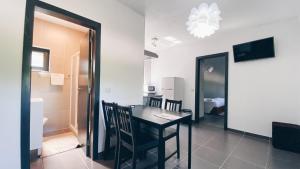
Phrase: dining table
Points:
(160, 119)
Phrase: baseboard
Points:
(198, 120)
(52, 133)
(235, 131)
(249, 134)
(73, 129)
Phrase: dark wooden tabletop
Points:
(146, 115)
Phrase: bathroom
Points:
(56, 59)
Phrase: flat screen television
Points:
(258, 49)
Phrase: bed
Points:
(214, 106)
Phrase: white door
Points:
(74, 92)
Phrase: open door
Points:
(212, 102)
(85, 88)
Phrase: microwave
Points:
(151, 88)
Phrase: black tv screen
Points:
(259, 49)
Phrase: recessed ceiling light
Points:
(177, 42)
(173, 40)
(170, 38)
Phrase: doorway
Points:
(88, 80)
(211, 87)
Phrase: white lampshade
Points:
(204, 20)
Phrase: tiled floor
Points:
(214, 120)
(212, 148)
(59, 143)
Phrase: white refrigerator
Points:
(172, 88)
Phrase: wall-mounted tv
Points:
(258, 49)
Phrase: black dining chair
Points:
(108, 112)
(175, 106)
(155, 102)
(129, 137)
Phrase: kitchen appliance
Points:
(172, 88)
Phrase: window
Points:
(40, 59)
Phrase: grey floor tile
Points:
(235, 163)
(253, 150)
(67, 160)
(284, 155)
(197, 163)
(142, 163)
(214, 120)
(199, 136)
(203, 131)
(282, 164)
(213, 156)
(225, 142)
(171, 147)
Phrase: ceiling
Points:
(168, 17)
(136, 5)
(58, 21)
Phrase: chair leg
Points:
(117, 157)
(118, 161)
(178, 142)
(134, 160)
(107, 144)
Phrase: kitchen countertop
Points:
(153, 95)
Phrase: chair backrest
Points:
(108, 112)
(155, 102)
(125, 124)
(173, 105)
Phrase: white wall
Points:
(147, 72)
(11, 44)
(121, 72)
(260, 91)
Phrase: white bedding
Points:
(210, 103)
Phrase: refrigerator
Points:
(172, 88)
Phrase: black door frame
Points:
(197, 84)
(31, 6)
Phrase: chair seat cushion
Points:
(143, 140)
(167, 133)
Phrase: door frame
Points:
(31, 6)
(197, 85)
(74, 57)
